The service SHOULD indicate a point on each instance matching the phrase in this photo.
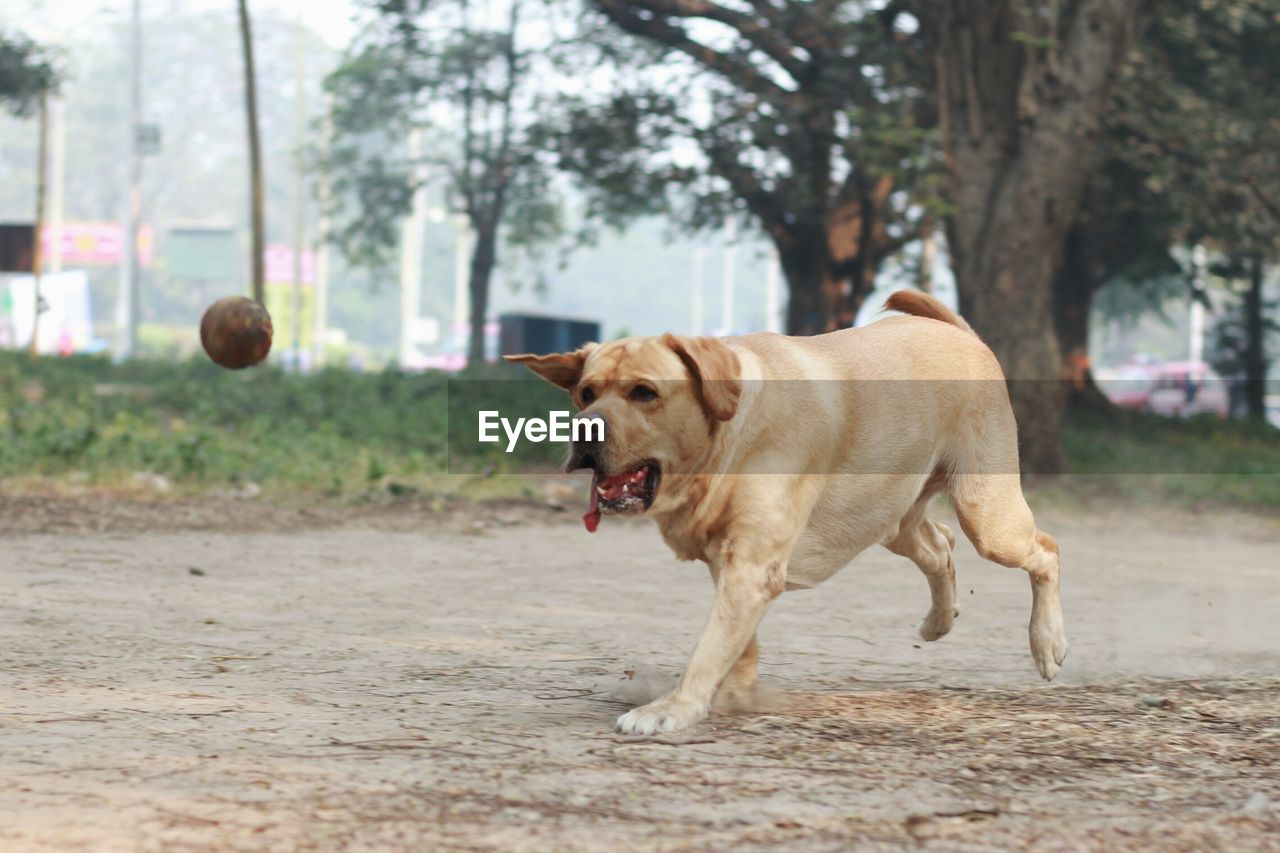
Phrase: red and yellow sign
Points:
(94, 243)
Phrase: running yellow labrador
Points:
(776, 460)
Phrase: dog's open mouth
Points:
(630, 491)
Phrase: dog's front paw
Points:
(668, 714)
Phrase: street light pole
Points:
(730, 262)
(696, 308)
(127, 295)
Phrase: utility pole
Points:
(42, 161)
(57, 180)
(255, 156)
(411, 254)
(699, 261)
(127, 295)
(322, 245)
(299, 185)
(730, 258)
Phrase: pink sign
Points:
(94, 243)
(279, 265)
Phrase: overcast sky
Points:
(47, 19)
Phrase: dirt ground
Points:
(280, 681)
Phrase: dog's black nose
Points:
(588, 432)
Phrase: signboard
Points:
(278, 261)
(531, 333)
(95, 243)
(278, 269)
(280, 296)
(16, 245)
(66, 324)
(278, 266)
(204, 254)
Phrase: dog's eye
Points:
(588, 396)
(643, 392)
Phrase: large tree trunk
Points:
(1073, 291)
(824, 294)
(1020, 123)
(813, 298)
(1255, 353)
(483, 258)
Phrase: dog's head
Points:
(661, 399)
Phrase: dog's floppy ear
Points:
(716, 372)
(561, 368)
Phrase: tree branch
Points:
(762, 34)
(763, 203)
(626, 14)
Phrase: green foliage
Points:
(333, 431)
(344, 433)
(1193, 140)
(26, 72)
(812, 118)
(1189, 163)
(1230, 349)
(459, 91)
(467, 90)
(614, 144)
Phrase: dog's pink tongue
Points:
(611, 489)
(592, 518)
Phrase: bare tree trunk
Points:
(483, 259)
(1020, 122)
(255, 157)
(1255, 353)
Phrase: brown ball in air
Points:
(236, 332)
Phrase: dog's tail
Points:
(923, 305)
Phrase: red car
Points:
(1170, 388)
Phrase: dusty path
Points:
(443, 689)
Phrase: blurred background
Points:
(1096, 186)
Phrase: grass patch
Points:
(1199, 462)
(332, 431)
(341, 433)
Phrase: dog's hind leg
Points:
(994, 515)
(929, 544)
